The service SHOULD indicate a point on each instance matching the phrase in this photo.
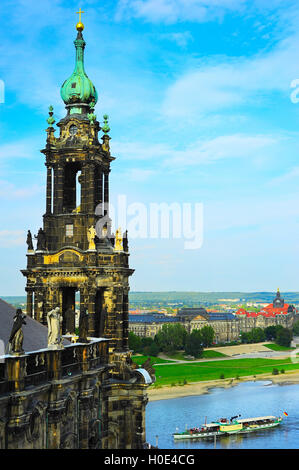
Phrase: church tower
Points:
(86, 393)
(278, 302)
(77, 256)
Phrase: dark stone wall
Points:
(66, 399)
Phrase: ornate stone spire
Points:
(278, 302)
(106, 138)
(50, 119)
(78, 91)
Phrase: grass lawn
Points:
(277, 347)
(196, 372)
(178, 355)
(181, 355)
(154, 360)
(211, 354)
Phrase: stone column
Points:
(29, 303)
(49, 191)
(110, 301)
(84, 191)
(54, 364)
(35, 307)
(91, 189)
(106, 193)
(82, 291)
(125, 324)
(16, 367)
(58, 189)
(92, 322)
(84, 418)
(118, 328)
(100, 188)
(129, 428)
(50, 302)
(54, 418)
(39, 299)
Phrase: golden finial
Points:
(80, 25)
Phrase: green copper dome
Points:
(78, 88)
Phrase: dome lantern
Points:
(78, 91)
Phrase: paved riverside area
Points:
(235, 352)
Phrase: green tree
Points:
(244, 337)
(270, 333)
(284, 337)
(296, 328)
(171, 337)
(146, 342)
(135, 342)
(194, 345)
(256, 335)
(153, 349)
(278, 328)
(208, 335)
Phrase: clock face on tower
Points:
(73, 130)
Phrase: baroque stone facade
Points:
(68, 399)
(225, 330)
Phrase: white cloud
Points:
(222, 147)
(181, 39)
(10, 191)
(171, 11)
(225, 83)
(139, 150)
(139, 174)
(10, 238)
(202, 151)
(25, 148)
(254, 212)
(291, 175)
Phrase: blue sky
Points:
(198, 95)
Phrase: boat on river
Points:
(234, 425)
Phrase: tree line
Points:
(277, 333)
(174, 337)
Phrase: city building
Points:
(276, 313)
(149, 325)
(227, 325)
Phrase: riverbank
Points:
(199, 388)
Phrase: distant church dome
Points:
(278, 302)
(78, 88)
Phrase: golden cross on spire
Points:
(80, 25)
(80, 13)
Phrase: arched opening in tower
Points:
(68, 310)
(71, 187)
(100, 313)
(78, 190)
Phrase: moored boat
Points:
(225, 426)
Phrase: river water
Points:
(250, 399)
